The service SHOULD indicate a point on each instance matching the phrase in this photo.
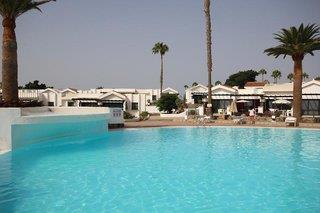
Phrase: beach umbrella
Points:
(243, 101)
(244, 104)
(281, 101)
(233, 107)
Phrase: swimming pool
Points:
(166, 169)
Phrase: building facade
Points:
(256, 95)
(133, 101)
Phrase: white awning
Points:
(282, 101)
(243, 101)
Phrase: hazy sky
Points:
(85, 44)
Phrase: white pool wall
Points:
(115, 115)
(7, 117)
(24, 126)
(29, 130)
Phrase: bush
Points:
(277, 113)
(192, 112)
(144, 116)
(167, 102)
(127, 115)
(22, 104)
(181, 105)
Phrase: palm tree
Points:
(304, 76)
(262, 72)
(217, 83)
(297, 43)
(10, 10)
(160, 48)
(186, 87)
(276, 74)
(290, 77)
(195, 84)
(209, 53)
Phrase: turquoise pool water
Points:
(166, 170)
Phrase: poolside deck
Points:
(167, 122)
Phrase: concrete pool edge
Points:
(217, 126)
(193, 126)
(165, 123)
(21, 125)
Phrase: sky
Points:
(85, 44)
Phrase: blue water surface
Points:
(166, 170)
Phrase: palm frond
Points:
(160, 47)
(15, 8)
(300, 40)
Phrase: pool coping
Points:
(219, 126)
(4, 152)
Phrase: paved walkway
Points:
(164, 123)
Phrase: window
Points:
(113, 105)
(154, 97)
(88, 104)
(134, 106)
(310, 107)
(220, 104)
(198, 98)
(50, 103)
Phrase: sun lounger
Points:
(239, 120)
(201, 120)
(291, 120)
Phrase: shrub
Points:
(127, 115)
(167, 102)
(181, 105)
(144, 116)
(192, 112)
(277, 113)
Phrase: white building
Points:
(257, 94)
(133, 101)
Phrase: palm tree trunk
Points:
(209, 54)
(297, 87)
(161, 76)
(9, 63)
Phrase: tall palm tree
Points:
(10, 10)
(290, 77)
(160, 48)
(297, 43)
(195, 84)
(262, 72)
(276, 74)
(209, 53)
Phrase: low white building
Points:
(133, 101)
(257, 94)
